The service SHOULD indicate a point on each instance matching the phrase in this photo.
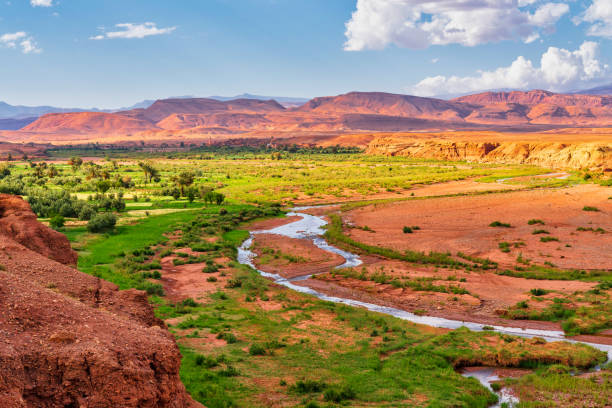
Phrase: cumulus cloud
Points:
(599, 15)
(559, 70)
(41, 3)
(421, 23)
(130, 30)
(22, 40)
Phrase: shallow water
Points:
(486, 376)
(311, 227)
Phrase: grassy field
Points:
(249, 343)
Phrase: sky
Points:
(114, 53)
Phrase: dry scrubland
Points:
(247, 342)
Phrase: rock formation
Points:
(68, 339)
(546, 154)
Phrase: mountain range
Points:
(185, 117)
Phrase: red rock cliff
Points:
(68, 339)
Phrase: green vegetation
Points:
(535, 221)
(500, 224)
(589, 208)
(246, 339)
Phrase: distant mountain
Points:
(600, 90)
(286, 101)
(15, 124)
(354, 111)
(21, 112)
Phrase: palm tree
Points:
(184, 179)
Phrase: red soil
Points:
(461, 224)
(312, 259)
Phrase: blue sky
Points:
(72, 53)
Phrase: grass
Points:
(589, 208)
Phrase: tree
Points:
(103, 186)
(9, 157)
(191, 194)
(184, 179)
(149, 171)
(75, 162)
(57, 221)
(102, 222)
(52, 171)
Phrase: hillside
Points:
(201, 118)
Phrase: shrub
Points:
(540, 231)
(86, 213)
(228, 337)
(589, 208)
(549, 239)
(102, 222)
(407, 230)
(57, 221)
(189, 302)
(339, 395)
(308, 386)
(257, 350)
(499, 224)
(534, 221)
(538, 292)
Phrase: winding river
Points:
(311, 227)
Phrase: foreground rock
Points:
(72, 340)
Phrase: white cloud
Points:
(41, 3)
(559, 70)
(548, 14)
(421, 23)
(28, 46)
(130, 30)
(599, 14)
(21, 39)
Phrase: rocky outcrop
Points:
(546, 154)
(68, 339)
(18, 222)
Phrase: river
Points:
(311, 227)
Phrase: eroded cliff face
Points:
(68, 339)
(547, 154)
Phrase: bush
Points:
(499, 224)
(308, 386)
(589, 208)
(534, 221)
(339, 395)
(257, 350)
(407, 230)
(86, 213)
(102, 222)
(57, 221)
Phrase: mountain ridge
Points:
(353, 111)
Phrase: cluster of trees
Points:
(50, 203)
